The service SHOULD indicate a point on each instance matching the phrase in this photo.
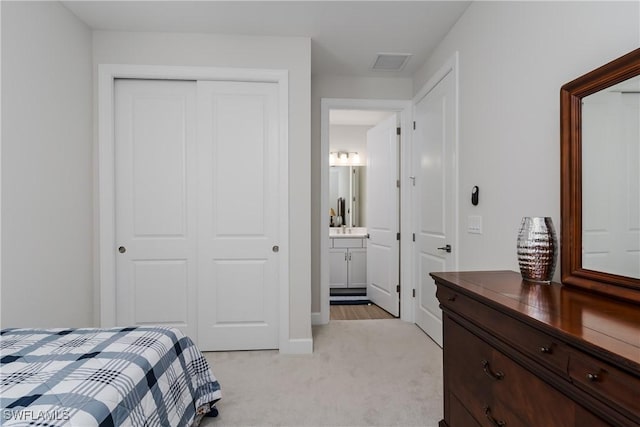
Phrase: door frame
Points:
(104, 179)
(404, 109)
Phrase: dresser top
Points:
(604, 326)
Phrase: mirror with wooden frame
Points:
(600, 179)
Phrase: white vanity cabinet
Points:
(348, 263)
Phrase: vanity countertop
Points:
(351, 232)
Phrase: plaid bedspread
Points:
(138, 376)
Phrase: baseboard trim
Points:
(298, 346)
(316, 318)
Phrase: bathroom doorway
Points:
(361, 195)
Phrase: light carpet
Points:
(361, 373)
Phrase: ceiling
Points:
(345, 35)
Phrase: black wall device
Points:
(475, 193)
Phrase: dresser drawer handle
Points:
(546, 350)
(593, 377)
(452, 298)
(497, 423)
(487, 370)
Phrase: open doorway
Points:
(364, 254)
(361, 204)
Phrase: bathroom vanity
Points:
(347, 257)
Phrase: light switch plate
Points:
(474, 224)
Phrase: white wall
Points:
(514, 57)
(350, 139)
(339, 87)
(290, 53)
(46, 167)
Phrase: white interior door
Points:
(238, 206)
(155, 134)
(434, 143)
(383, 256)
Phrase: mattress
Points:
(134, 376)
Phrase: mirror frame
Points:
(571, 95)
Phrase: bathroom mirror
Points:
(348, 183)
(600, 179)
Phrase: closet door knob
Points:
(275, 248)
(122, 249)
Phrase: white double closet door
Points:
(197, 201)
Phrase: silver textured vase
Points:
(537, 249)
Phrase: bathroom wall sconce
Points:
(344, 158)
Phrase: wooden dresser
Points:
(521, 354)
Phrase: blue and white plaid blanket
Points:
(138, 376)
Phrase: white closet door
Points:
(155, 203)
(238, 205)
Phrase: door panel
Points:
(434, 143)
(167, 278)
(238, 205)
(240, 290)
(240, 177)
(383, 256)
(155, 207)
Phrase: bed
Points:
(135, 376)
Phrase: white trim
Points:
(316, 318)
(106, 244)
(282, 79)
(404, 108)
(297, 346)
(450, 66)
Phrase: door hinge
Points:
(398, 183)
(414, 293)
(397, 236)
(414, 237)
(398, 288)
(414, 125)
(397, 131)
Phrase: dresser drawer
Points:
(543, 348)
(494, 389)
(465, 372)
(459, 416)
(610, 384)
(529, 399)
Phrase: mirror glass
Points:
(346, 196)
(611, 179)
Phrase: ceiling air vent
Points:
(390, 61)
